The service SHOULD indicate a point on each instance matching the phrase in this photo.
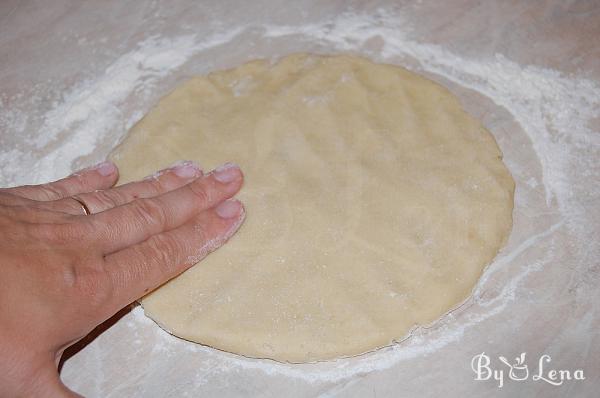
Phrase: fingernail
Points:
(229, 209)
(186, 169)
(105, 168)
(227, 173)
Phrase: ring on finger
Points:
(86, 209)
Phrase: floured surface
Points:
(374, 202)
(74, 79)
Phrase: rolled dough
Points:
(373, 204)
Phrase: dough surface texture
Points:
(373, 204)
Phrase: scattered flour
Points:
(541, 100)
(91, 110)
(554, 110)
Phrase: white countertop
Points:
(74, 76)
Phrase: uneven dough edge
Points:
(243, 346)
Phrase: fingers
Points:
(138, 269)
(161, 182)
(101, 176)
(138, 220)
(33, 215)
(9, 199)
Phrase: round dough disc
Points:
(373, 204)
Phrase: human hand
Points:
(64, 272)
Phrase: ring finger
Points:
(161, 182)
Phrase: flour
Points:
(91, 110)
(554, 110)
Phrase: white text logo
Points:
(519, 371)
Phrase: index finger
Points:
(140, 268)
(136, 221)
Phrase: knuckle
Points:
(166, 251)
(84, 278)
(53, 191)
(154, 186)
(150, 212)
(165, 245)
(107, 199)
(132, 273)
(200, 193)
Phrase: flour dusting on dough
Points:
(543, 101)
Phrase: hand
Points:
(63, 272)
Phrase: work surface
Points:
(75, 76)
